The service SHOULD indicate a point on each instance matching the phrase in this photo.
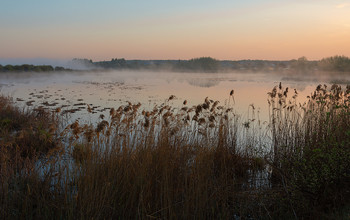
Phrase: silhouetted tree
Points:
(203, 64)
(335, 63)
(59, 68)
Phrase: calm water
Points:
(104, 90)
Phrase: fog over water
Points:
(73, 91)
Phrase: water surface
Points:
(73, 92)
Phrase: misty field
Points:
(180, 161)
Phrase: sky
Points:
(182, 29)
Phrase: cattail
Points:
(101, 126)
(198, 109)
(109, 132)
(318, 87)
(146, 123)
(190, 110)
(231, 93)
(184, 109)
(201, 121)
(58, 110)
(89, 134)
(127, 108)
(214, 105)
(89, 108)
(166, 121)
(136, 107)
(74, 125)
(211, 118)
(76, 129)
(347, 89)
(273, 93)
(155, 110)
(205, 105)
(112, 111)
(185, 102)
(167, 114)
(253, 107)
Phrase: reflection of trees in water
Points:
(203, 82)
(300, 87)
(300, 82)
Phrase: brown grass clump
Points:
(32, 132)
(26, 136)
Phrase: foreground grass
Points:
(203, 161)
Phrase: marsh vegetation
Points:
(187, 161)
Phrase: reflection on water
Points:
(203, 82)
(74, 93)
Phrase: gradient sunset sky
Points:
(182, 29)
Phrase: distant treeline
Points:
(31, 68)
(208, 64)
(203, 64)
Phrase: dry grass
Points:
(201, 161)
(25, 137)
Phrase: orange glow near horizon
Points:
(277, 31)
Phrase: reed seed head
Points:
(112, 111)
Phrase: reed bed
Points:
(311, 148)
(202, 161)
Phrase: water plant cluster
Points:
(177, 162)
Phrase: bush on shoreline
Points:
(31, 68)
